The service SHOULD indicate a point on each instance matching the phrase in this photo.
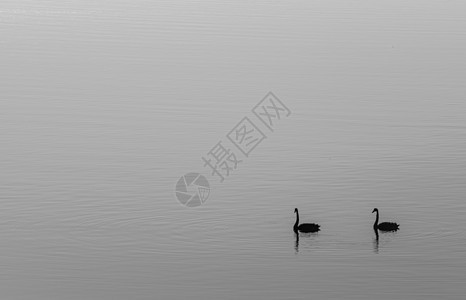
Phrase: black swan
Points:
(306, 227)
(385, 226)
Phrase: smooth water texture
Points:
(105, 104)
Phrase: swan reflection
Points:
(296, 245)
(308, 239)
(382, 238)
(376, 241)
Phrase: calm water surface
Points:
(105, 104)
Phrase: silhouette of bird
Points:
(305, 227)
(385, 226)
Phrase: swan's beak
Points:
(373, 211)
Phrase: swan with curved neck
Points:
(385, 226)
(305, 227)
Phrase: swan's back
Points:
(309, 227)
(388, 226)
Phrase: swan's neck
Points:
(376, 219)
(297, 221)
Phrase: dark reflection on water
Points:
(296, 245)
(376, 241)
(309, 236)
(387, 235)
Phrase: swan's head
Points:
(295, 210)
(375, 210)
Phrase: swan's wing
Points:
(310, 224)
(388, 226)
(392, 224)
(309, 227)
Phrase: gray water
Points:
(105, 104)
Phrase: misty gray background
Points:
(105, 104)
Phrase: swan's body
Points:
(305, 227)
(385, 226)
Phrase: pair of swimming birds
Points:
(311, 227)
